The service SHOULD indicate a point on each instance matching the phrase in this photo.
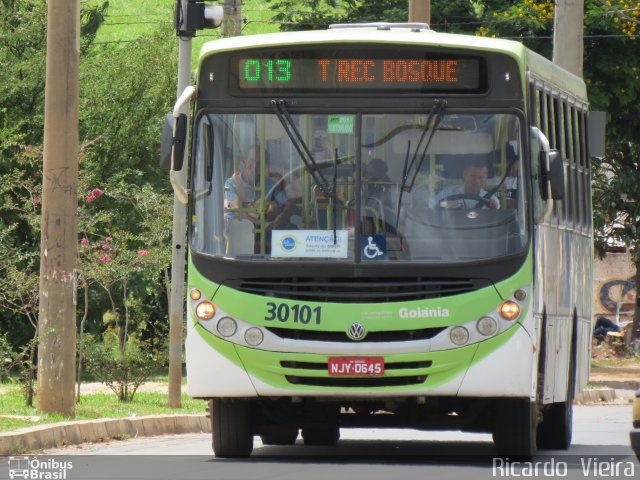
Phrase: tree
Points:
(446, 15)
(612, 74)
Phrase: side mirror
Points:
(179, 139)
(596, 126)
(556, 175)
(551, 175)
(173, 140)
(176, 145)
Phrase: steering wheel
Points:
(486, 202)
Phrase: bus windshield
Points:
(435, 186)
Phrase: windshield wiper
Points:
(430, 126)
(302, 148)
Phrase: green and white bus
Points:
(384, 292)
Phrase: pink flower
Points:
(105, 248)
(36, 200)
(84, 241)
(95, 193)
(143, 252)
(29, 148)
(105, 259)
(108, 239)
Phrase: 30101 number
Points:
(284, 312)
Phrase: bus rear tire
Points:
(231, 427)
(321, 436)
(515, 428)
(555, 431)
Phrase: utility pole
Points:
(232, 18)
(179, 234)
(568, 35)
(190, 15)
(59, 238)
(420, 11)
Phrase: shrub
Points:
(123, 371)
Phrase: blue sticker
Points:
(373, 247)
(288, 243)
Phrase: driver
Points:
(471, 192)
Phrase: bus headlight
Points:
(205, 310)
(227, 326)
(253, 336)
(195, 294)
(487, 326)
(509, 310)
(459, 335)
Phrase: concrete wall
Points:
(614, 278)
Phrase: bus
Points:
(388, 227)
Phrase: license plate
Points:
(356, 366)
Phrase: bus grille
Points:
(360, 290)
(390, 336)
(357, 381)
(309, 368)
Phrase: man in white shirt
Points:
(471, 194)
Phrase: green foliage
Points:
(126, 91)
(93, 406)
(447, 15)
(17, 364)
(122, 371)
(23, 24)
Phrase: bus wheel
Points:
(279, 435)
(231, 427)
(515, 428)
(555, 431)
(324, 435)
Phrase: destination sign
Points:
(290, 73)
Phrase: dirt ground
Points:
(616, 366)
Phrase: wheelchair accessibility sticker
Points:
(373, 247)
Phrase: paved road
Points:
(600, 450)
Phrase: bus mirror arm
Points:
(179, 142)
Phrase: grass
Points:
(126, 20)
(617, 362)
(92, 406)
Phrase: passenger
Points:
(471, 193)
(240, 191)
(377, 180)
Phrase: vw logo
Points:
(356, 332)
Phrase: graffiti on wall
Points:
(617, 292)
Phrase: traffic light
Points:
(192, 15)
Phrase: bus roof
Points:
(527, 59)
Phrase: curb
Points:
(92, 431)
(599, 395)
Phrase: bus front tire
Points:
(515, 428)
(231, 427)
